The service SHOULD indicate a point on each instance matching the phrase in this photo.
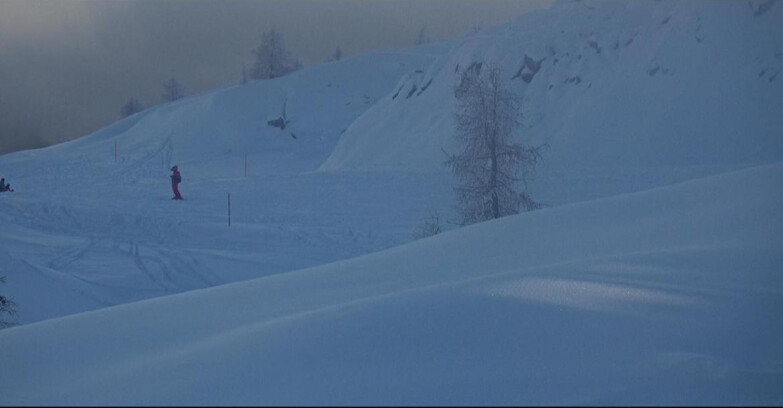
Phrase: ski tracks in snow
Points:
(171, 270)
(71, 255)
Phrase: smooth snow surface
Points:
(670, 296)
(652, 276)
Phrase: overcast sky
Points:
(68, 66)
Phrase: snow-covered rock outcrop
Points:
(643, 83)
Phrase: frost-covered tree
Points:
(133, 105)
(7, 309)
(490, 167)
(173, 90)
(272, 59)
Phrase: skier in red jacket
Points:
(175, 180)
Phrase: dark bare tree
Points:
(244, 78)
(429, 227)
(8, 313)
(173, 90)
(336, 55)
(272, 58)
(491, 167)
(422, 37)
(133, 105)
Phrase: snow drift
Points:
(669, 296)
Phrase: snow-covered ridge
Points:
(635, 83)
(631, 82)
(221, 126)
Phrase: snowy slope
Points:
(316, 295)
(85, 231)
(215, 130)
(651, 84)
(669, 296)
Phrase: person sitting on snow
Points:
(4, 187)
